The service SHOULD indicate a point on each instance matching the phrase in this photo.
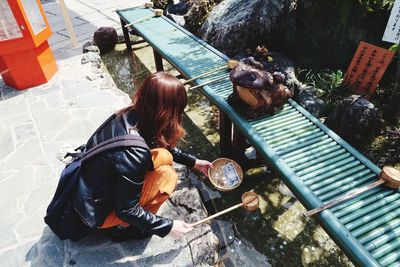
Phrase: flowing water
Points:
(277, 234)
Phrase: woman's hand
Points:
(179, 229)
(202, 166)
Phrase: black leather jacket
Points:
(114, 179)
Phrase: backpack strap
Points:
(118, 141)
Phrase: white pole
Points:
(68, 23)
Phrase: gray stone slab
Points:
(7, 222)
(16, 185)
(38, 104)
(47, 251)
(74, 88)
(104, 256)
(6, 143)
(77, 130)
(45, 175)
(18, 256)
(51, 121)
(98, 99)
(13, 111)
(5, 174)
(24, 155)
(32, 225)
(54, 99)
(39, 197)
(24, 132)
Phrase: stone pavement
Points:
(35, 125)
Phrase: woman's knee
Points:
(160, 157)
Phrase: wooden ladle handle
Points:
(217, 214)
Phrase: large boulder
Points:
(235, 25)
(355, 119)
(297, 28)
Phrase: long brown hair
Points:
(159, 103)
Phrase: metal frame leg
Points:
(158, 60)
(225, 134)
(239, 146)
(126, 36)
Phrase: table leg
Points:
(225, 134)
(126, 36)
(239, 146)
(158, 60)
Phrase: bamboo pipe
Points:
(209, 82)
(249, 201)
(146, 5)
(157, 13)
(230, 65)
(389, 176)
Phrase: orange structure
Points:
(26, 59)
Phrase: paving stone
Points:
(45, 175)
(5, 174)
(108, 255)
(77, 130)
(39, 197)
(32, 225)
(18, 256)
(6, 143)
(7, 222)
(24, 154)
(51, 121)
(38, 104)
(23, 132)
(74, 88)
(13, 111)
(16, 185)
(54, 99)
(98, 99)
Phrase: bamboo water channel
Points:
(278, 229)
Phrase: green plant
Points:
(377, 5)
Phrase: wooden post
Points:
(68, 22)
(126, 36)
(158, 60)
(239, 146)
(225, 135)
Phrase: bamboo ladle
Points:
(156, 13)
(249, 201)
(389, 176)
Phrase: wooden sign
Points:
(392, 31)
(367, 68)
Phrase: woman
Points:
(124, 188)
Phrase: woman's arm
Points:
(191, 161)
(131, 165)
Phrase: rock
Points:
(91, 57)
(311, 102)
(177, 12)
(105, 38)
(296, 28)
(90, 47)
(355, 119)
(235, 25)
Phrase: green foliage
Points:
(160, 3)
(327, 83)
(377, 5)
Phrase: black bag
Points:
(61, 216)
